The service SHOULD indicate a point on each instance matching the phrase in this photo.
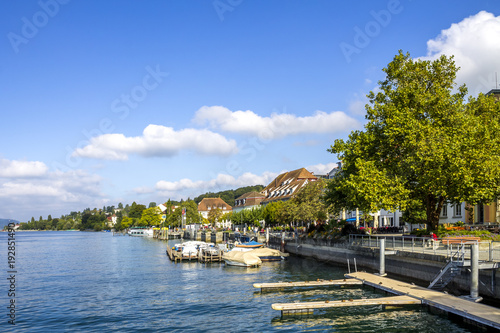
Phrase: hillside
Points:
(230, 195)
(5, 222)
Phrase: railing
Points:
(488, 251)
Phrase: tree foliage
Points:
(150, 217)
(229, 196)
(424, 144)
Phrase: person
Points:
(433, 235)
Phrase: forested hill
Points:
(229, 195)
(5, 222)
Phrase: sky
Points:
(115, 101)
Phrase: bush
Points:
(348, 229)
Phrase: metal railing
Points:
(488, 250)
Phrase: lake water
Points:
(97, 282)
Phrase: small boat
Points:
(144, 232)
(239, 258)
(249, 245)
(252, 257)
(267, 254)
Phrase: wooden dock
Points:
(309, 307)
(177, 256)
(210, 257)
(471, 312)
(317, 283)
(478, 313)
(202, 256)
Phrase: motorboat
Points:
(252, 257)
(240, 258)
(141, 232)
(249, 245)
(267, 254)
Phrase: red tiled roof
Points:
(213, 203)
(249, 199)
(286, 185)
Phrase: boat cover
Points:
(242, 258)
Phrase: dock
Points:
(202, 256)
(317, 283)
(405, 294)
(473, 312)
(209, 256)
(309, 307)
(177, 256)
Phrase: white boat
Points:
(141, 232)
(240, 258)
(252, 257)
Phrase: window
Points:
(444, 212)
(458, 210)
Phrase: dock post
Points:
(474, 277)
(382, 257)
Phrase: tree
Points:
(423, 143)
(136, 210)
(126, 222)
(309, 203)
(271, 212)
(150, 217)
(214, 215)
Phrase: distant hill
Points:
(5, 222)
(229, 195)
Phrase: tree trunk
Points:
(434, 206)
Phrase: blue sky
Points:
(119, 101)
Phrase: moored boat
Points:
(249, 245)
(239, 258)
(141, 232)
(252, 257)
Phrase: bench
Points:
(460, 240)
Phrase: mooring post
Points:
(382, 257)
(474, 277)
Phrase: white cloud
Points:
(357, 107)
(187, 187)
(13, 169)
(275, 126)
(321, 169)
(157, 140)
(474, 43)
(53, 193)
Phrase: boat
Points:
(267, 254)
(249, 245)
(142, 232)
(240, 258)
(252, 257)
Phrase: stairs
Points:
(445, 276)
(450, 270)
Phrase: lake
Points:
(97, 282)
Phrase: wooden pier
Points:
(309, 307)
(202, 256)
(177, 256)
(209, 257)
(317, 283)
(471, 312)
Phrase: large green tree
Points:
(150, 217)
(423, 142)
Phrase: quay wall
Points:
(411, 267)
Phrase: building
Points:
(286, 185)
(248, 200)
(208, 204)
